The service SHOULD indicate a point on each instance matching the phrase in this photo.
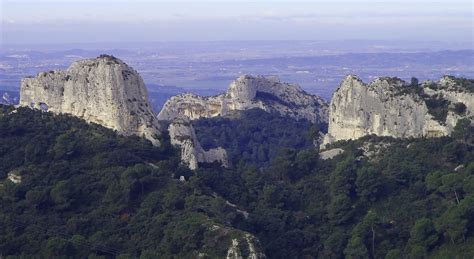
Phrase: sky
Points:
(80, 21)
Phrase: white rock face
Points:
(253, 243)
(243, 244)
(247, 92)
(103, 90)
(391, 107)
(183, 136)
(331, 153)
(15, 177)
(234, 252)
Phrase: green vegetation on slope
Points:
(255, 137)
(87, 191)
(353, 206)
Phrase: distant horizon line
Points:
(249, 40)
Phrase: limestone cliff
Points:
(103, 90)
(182, 135)
(392, 107)
(247, 92)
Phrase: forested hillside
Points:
(86, 191)
(256, 137)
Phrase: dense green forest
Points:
(87, 192)
(254, 136)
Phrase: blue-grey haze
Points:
(70, 21)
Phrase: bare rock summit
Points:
(247, 92)
(392, 107)
(102, 90)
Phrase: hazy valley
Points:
(206, 68)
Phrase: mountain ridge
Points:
(247, 92)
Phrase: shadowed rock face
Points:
(247, 92)
(103, 90)
(392, 107)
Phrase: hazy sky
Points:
(69, 21)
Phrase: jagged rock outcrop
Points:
(102, 90)
(183, 136)
(392, 107)
(235, 252)
(247, 92)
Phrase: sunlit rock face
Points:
(102, 90)
(183, 136)
(247, 92)
(393, 107)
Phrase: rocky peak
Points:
(448, 81)
(392, 107)
(248, 92)
(458, 84)
(103, 90)
(350, 79)
(244, 88)
(388, 82)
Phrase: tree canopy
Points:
(87, 192)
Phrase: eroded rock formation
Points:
(102, 90)
(393, 107)
(247, 92)
(182, 135)
(235, 252)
